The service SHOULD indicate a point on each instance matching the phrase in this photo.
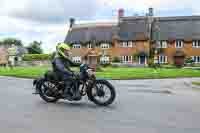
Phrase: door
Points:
(93, 60)
(142, 59)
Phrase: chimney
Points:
(120, 13)
(72, 22)
(151, 12)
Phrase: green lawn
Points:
(196, 83)
(110, 73)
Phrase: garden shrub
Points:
(36, 57)
(116, 60)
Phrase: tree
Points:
(10, 41)
(35, 48)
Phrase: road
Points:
(142, 106)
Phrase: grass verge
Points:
(109, 72)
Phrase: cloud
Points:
(47, 20)
(54, 11)
(49, 34)
(143, 5)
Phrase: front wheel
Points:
(102, 93)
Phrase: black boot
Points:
(68, 94)
(76, 93)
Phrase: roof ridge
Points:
(175, 18)
(95, 24)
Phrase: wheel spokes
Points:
(106, 93)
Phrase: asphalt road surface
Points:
(142, 106)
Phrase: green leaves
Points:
(34, 57)
(35, 48)
(10, 41)
(116, 60)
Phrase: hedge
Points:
(34, 57)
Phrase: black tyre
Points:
(98, 92)
(43, 87)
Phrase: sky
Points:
(48, 20)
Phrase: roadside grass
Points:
(108, 72)
(196, 83)
(146, 73)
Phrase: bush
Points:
(35, 57)
(168, 66)
(106, 65)
(99, 69)
(116, 60)
(189, 61)
(152, 64)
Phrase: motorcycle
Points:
(50, 88)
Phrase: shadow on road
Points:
(77, 105)
(152, 91)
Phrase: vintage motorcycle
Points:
(101, 92)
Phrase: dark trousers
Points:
(70, 84)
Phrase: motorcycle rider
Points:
(61, 66)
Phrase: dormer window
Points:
(127, 44)
(196, 43)
(130, 44)
(124, 44)
(76, 45)
(179, 43)
(162, 44)
(89, 45)
(105, 45)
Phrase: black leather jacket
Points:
(62, 66)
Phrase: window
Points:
(105, 45)
(162, 59)
(196, 44)
(128, 44)
(76, 59)
(162, 44)
(77, 46)
(126, 59)
(104, 59)
(89, 45)
(179, 44)
(124, 44)
(196, 59)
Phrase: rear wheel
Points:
(46, 93)
(102, 93)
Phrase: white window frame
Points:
(126, 59)
(130, 44)
(196, 43)
(76, 45)
(104, 59)
(76, 59)
(89, 45)
(124, 44)
(196, 59)
(162, 59)
(105, 45)
(179, 44)
(162, 44)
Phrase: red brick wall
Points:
(187, 48)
